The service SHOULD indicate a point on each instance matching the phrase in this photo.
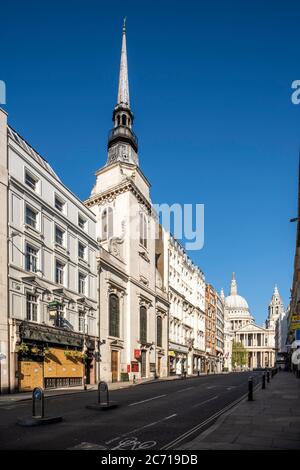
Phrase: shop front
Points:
(51, 358)
(198, 362)
(178, 359)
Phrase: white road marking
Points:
(206, 401)
(195, 429)
(87, 446)
(148, 399)
(184, 389)
(141, 428)
(212, 386)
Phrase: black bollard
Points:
(38, 418)
(250, 389)
(105, 404)
(263, 386)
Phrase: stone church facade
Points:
(133, 284)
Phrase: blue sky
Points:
(210, 88)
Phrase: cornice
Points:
(110, 194)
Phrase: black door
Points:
(144, 363)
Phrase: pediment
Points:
(251, 327)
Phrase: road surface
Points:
(161, 415)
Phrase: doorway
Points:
(144, 363)
(159, 367)
(114, 366)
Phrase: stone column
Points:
(4, 350)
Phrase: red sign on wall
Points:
(128, 368)
(134, 366)
(137, 353)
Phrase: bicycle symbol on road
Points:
(134, 444)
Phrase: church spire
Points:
(123, 92)
(122, 142)
(233, 286)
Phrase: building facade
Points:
(187, 312)
(133, 285)
(4, 334)
(293, 313)
(259, 342)
(210, 329)
(220, 306)
(52, 315)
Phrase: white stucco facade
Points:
(52, 262)
(187, 312)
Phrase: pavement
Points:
(270, 422)
(160, 415)
(21, 396)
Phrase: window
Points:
(107, 220)
(59, 273)
(159, 331)
(143, 230)
(114, 316)
(81, 222)
(31, 217)
(59, 236)
(143, 325)
(31, 259)
(59, 320)
(31, 307)
(81, 283)
(59, 204)
(31, 180)
(81, 251)
(81, 322)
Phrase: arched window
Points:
(159, 331)
(114, 316)
(123, 119)
(107, 221)
(143, 230)
(143, 325)
(118, 120)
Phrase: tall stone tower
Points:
(275, 309)
(122, 142)
(131, 310)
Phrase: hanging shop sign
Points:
(137, 353)
(295, 318)
(53, 305)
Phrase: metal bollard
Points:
(250, 389)
(263, 386)
(268, 376)
(103, 403)
(38, 394)
(38, 417)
